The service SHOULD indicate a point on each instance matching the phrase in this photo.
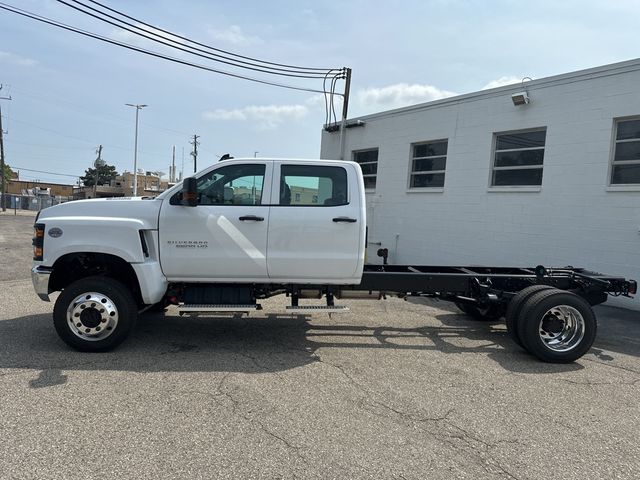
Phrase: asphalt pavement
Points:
(391, 389)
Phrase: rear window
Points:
(311, 185)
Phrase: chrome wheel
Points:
(561, 328)
(92, 316)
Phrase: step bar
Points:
(195, 310)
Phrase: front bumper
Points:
(40, 278)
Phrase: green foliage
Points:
(100, 175)
(8, 173)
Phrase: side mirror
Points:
(189, 192)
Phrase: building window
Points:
(368, 160)
(428, 162)
(626, 155)
(518, 158)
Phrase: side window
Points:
(428, 163)
(368, 160)
(310, 185)
(518, 158)
(626, 155)
(232, 185)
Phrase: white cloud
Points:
(315, 101)
(234, 35)
(502, 81)
(14, 59)
(266, 117)
(399, 95)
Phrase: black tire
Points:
(95, 314)
(515, 307)
(545, 306)
(488, 314)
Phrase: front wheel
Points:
(94, 314)
(557, 326)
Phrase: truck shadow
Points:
(268, 343)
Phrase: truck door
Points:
(315, 224)
(223, 238)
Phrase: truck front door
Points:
(223, 238)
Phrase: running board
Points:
(195, 310)
(317, 308)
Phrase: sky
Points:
(69, 92)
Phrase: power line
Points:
(63, 26)
(47, 146)
(115, 119)
(136, 30)
(42, 171)
(117, 147)
(204, 45)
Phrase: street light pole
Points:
(135, 149)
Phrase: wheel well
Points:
(74, 266)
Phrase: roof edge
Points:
(578, 75)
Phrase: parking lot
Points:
(390, 389)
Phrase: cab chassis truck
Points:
(249, 229)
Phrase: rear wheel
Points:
(515, 307)
(557, 326)
(94, 314)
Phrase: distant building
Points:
(26, 187)
(149, 185)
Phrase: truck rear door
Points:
(316, 224)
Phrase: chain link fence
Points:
(32, 202)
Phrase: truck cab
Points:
(266, 221)
(237, 231)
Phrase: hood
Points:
(139, 208)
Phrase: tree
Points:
(8, 173)
(99, 175)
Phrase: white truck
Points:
(248, 229)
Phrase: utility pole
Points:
(97, 164)
(135, 150)
(3, 181)
(172, 171)
(345, 107)
(194, 153)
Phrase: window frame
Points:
(494, 151)
(353, 159)
(612, 154)
(279, 178)
(430, 172)
(176, 198)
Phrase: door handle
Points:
(345, 220)
(251, 217)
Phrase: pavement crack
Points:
(595, 384)
(619, 367)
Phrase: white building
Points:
(477, 180)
